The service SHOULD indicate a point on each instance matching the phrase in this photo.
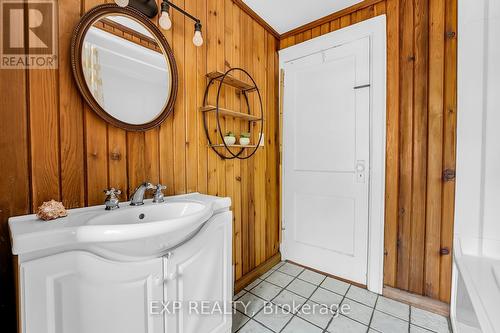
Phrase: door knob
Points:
(360, 171)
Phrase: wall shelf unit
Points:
(222, 149)
(230, 113)
(232, 81)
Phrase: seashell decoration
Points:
(51, 210)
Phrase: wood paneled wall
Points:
(54, 146)
(421, 122)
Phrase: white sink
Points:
(129, 233)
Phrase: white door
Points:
(78, 292)
(199, 276)
(326, 133)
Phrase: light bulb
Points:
(197, 38)
(122, 3)
(165, 21)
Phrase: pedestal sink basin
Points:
(129, 233)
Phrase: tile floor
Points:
(289, 284)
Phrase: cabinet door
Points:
(201, 271)
(78, 292)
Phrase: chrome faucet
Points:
(158, 196)
(137, 198)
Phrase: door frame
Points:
(375, 29)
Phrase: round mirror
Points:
(124, 67)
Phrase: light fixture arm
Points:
(168, 3)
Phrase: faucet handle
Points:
(158, 195)
(112, 201)
(112, 192)
(160, 187)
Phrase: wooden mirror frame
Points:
(79, 34)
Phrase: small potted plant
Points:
(229, 138)
(244, 138)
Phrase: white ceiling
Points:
(285, 15)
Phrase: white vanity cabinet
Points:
(81, 291)
(198, 275)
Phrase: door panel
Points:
(79, 292)
(326, 129)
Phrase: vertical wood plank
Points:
(418, 205)
(135, 160)
(201, 65)
(435, 148)
(406, 143)
(96, 160)
(70, 112)
(449, 146)
(237, 195)
(151, 157)
(221, 66)
(117, 160)
(179, 125)
(247, 226)
(15, 180)
(335, 25)
(325, 28)
(166, 140)
(315, 32)
(392, 145)
(191, 104)
(212, 177)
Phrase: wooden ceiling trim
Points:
(331, 17)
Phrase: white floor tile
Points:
(362, 296)
(249, 304)
(393, 307)
(337, 286)
(429, 320)
(289, 300)
(298, 325)
(311, 277)
(416, 329)
(266, 290)
(343, 324)
(239, 319)
(356, 311)
(275, 320)
(326, 297)
(280, 279)
(254, 327)
(388, 324)
(290, 269)
(315, 313)
(302, 288)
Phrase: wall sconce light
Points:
(166, 22)
(150, 9)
